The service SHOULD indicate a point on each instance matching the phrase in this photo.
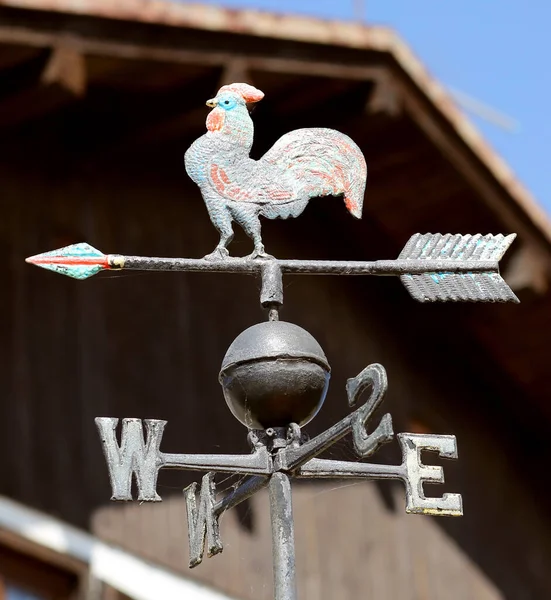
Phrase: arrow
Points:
(433, 267)
(79, 261)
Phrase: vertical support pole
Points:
(271, 294)
(283, 537)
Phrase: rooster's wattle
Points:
(302, 164)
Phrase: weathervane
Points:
(275, 375)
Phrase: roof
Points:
(103, 142)
(429, 168)
(316, 31)
(129, 574)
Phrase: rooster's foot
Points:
(260, 253)
(220, 253)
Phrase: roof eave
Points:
(316, 31)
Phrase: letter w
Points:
(133, 457)
(202, 522)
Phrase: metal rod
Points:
(258, 463)
(283, 537)
(313, 267)
(337, 469)
(271, 295)
(292, 457)
(244, 491)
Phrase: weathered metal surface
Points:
(274, 373)
(301, 165)
(280, 340)
(295, 455)
(202, 520)
(433, 267)
(280, 451)
(279, 454)
(417, 473)
(245, 490)
(79, 261)
(283, 537)
(96, 379)
(350, 333)
(466, 287)
(143, 459)
(242, 265)
(271, 294)
(412, 472)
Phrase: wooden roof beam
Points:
(528, 269)
(236, 70)
(318, 39)
(159, 118)
(386, 97)
(136, 51)
(177, 125)
(170, 124)
(67, 69)
(41, 86)
(460, 156)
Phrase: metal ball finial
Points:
(274, 373)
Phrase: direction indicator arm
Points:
(240, 493)
(142, 459)
(72, 261)
(373, 376)
(433, 267)
(257, 463)
(412, 472)
(318, 468)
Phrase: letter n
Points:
(202, 522)
(132, 457)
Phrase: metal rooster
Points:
(303, 164)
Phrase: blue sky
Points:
(498, 51)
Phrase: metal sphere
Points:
(274, 373)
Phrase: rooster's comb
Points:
(248, 92)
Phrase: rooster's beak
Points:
(212, 102)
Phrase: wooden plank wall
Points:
(150, 346)
(348, 543)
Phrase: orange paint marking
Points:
(70, 260)
(215, 120)
(248, 92)
(279, 195)
(218, 183)
(223, 176)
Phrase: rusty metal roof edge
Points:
(310, 30)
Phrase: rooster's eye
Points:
(226, 101)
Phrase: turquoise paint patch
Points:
(76, 272)
(80, 250)
(76, 250)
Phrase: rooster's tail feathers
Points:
(324, 162)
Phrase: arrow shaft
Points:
(313, 267)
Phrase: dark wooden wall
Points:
(150, 346)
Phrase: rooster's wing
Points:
(249, 181)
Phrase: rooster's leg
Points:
(251, 225)
(223, 222)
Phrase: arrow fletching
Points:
(465, 286)
(79, 261)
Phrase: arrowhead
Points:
(78, 260)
